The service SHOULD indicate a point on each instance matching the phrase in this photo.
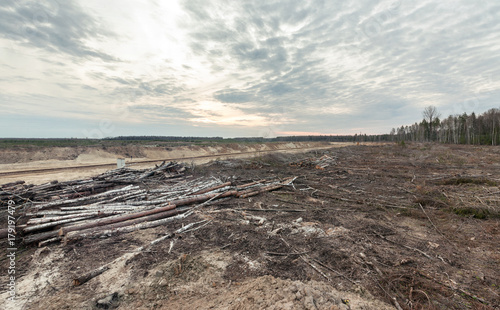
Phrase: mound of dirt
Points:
(197, 283)
(27, 155)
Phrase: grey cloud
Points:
(144, 88)
(58, 27)
(161, 110)
(65, 85)
(7, 66)
(57, 63)
(87, 87)
(237, 37)
(276, 89)
(233, 96)
(17, 78)
(288, 63)
(182, 99)
(167, 89)
(123, 81)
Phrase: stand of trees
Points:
(458, 129)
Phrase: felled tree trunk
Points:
(121, 218)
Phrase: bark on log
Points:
(74, 234)
(250, 184)
(40, 236)
(12, 184)
(103, 208)
(76, 212)
(45, 242)
(4, 232)
(37, 221)
(203, 191)
(52, 224)
(86, 198)
(261, 190)
(88, 276)
(255, 188)
(195, 199)
(107, 221)
(151, 172)
(129, 195)
(96, 233)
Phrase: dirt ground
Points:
(414, 227)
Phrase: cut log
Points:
(52, 224)
(129, 195)
(4, 232)
(260, 190)
(76, 212)
(11, 184)
(152, 172)
(201, 198)
(37, 221)
(96, 233)
(85, 199)
(203, 191)
(86, 277)
(255, 188)
(102, 207)
(116, 219)
(250, 184)
(39, 237)
(73, 234)
(45, 242)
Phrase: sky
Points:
(242, 68)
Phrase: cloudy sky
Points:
(242, 68)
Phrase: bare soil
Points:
(415, 227)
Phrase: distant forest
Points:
(457, 129)
(326, 138)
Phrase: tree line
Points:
(458, 129)
(164, 138)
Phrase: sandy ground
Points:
(60, 157)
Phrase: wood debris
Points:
(317, 163)
(121, 200)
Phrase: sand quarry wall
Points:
(25, 158)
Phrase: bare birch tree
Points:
(430, 114)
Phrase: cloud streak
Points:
(57, 27)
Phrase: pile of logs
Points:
(19, 192)
(318, 163)
(123, 200)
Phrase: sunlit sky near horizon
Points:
(242, 68)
